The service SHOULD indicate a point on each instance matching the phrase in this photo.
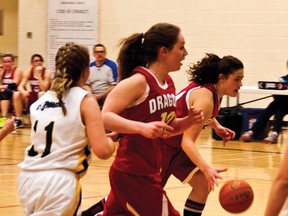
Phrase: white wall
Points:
(254, 31)
(32, 18)
(8, 41)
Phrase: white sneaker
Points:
(272, 138)
(247, 136)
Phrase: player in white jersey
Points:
(66, 123)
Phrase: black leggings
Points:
(6, 94)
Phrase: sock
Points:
(98, 207)
(193, 208)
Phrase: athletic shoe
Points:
(272, 138)
(19, 123)
(246, 137)
(2, 121)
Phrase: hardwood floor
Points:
(255, 162)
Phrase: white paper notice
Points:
(71, 21)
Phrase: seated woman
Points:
(39, 80)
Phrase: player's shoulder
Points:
(135, 80)
(201, 94)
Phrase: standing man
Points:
(103, 74)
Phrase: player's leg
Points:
(187, 172)
(197, 198)
(137, 195)
(5, 97)
(5, 108)
(18, 102)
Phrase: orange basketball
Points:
(236, 196)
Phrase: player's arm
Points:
(118, 100)
(102, 146)
(17, 76)
(8, 127)
(180, 125)
(201, 98)
(45, 82)
(24, 80)
(202, 102)
(190, 136)
(279, 189)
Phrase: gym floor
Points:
(255, 162)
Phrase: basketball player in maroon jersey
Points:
(141, 108)
(211, 79)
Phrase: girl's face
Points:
(7, 62)
(177, 54)
(232, 83)
(36, 62)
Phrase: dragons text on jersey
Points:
(162, 102)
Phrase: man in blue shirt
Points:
(103, 74)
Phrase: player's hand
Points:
(212, 176)
(113, 135)
(225, 133)
(38, 71)
(157, 129)
(9, 125)
(196, 115)
(25, 93)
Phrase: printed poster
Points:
(71, 21)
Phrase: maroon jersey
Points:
(8, 78)
(33, 80)
(183, 108)
(35, 89)
(183, 100)
(137, 154)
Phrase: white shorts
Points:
(53, 193)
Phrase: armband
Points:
(12, 86)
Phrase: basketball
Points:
(236, 196)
